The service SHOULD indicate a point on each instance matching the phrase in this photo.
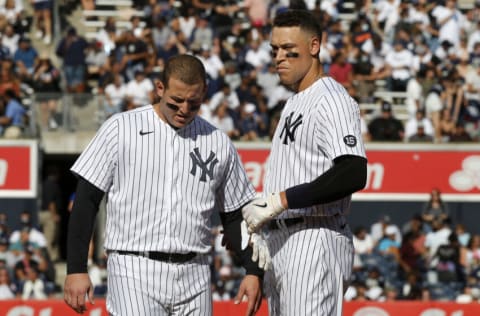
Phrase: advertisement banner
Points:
(57, 307)
(18, 169)
(401, 171)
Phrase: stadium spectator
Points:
(386, 127)
(434, 239)
(115, 96)
(9, 39)
(399, 63)
(222, 120)
(13, 120)
(72, 50)
(460, 135)
(46, 82)
(342, 71)
(108, 35)
(7, 288)
(139, 91)
(411, 126)
(435, 208)
(33, 287)
(25, 59)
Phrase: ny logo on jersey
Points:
(290, 127)
(206, 166)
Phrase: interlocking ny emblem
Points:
(290, 127)
(206, 166)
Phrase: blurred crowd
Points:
(427, 54)
(427, 258)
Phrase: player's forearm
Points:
(348, 175)
(231, 226)
(80, 226)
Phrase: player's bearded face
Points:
(180, 102)
(290, 54)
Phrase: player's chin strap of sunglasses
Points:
(158, 256)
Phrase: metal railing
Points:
(66, 112)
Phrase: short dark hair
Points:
(301, 18)
(186, 68)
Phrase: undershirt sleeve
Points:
(80, 225)
(348, 175)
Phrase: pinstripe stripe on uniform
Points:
(309, 262)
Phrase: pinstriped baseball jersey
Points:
(173, 181)
(317, 125)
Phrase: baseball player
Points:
(316, 162)
(164, 170)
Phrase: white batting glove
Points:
(260, 251)
(260, 211)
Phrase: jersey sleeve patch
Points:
(350, 140)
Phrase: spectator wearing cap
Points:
(214, 67)
(399, 62)
(72, 49)
(140, 90)
(25, 58)
(248, 123)
(377, 230)
(386, 127)
(388, 244)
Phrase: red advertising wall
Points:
(401, 172)
(18, 169)
(59, 308)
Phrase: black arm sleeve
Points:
(80, 225)
(231, 228)
(348, 175)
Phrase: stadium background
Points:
(60, 131)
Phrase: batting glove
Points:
(260, 251)
(260, 211)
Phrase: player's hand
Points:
(260, 251)
(260, 211)
(77, 289)
(250, 287)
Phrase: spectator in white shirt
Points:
(222, 120)
(399, 61)
(6, 288)
(33, 288)
(256, 57)
(115, 95)
(140, 90)
(411, 127)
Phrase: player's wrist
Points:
(274, 200)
